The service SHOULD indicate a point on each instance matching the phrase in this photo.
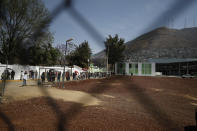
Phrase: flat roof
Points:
(172, 60)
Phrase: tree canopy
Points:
(63, 48)
(80, 56)
(22, 41)
(114, 48)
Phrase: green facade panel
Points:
(133, 68)
(146, 69)
(121, 68)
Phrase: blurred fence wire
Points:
(67, 5)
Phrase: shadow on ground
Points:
(190, 128)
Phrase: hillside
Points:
(161, 43)
(99, 55)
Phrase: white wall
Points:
(127, 68)
(153, 69)
(19, 68)
(139, 69)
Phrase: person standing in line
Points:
(58, 76)
(36, 74)
(32, 75)
(48, 76)
(53, 76)
(12, 74)
(29, 74)
(67, 76)
(73, 75)
(43, 77)
(63, 75)
(25, 79)
(76, 75)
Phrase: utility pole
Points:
(65, 62)
(88, 69)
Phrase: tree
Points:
(80, 56)
(114, 49)
(19, 21)
(42, 52)
(62, 48)
(44, 55)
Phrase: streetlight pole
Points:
(65, 61)
(88, 69)
(107, 57)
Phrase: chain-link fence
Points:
(67, 5)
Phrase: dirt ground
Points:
(15, 92)
(117, 103)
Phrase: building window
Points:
(133, 68)
(121, 68)
(130, 65)
(146, 69)
(120, 65)
(136, 68)
(143, 68)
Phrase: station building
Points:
(161, 66)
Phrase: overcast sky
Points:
(127, 18)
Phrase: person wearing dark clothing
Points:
(43, 77)
(73, 75)
(58, 76)
(67, 76)
(52, 76)
(4, 75)
(36, 74)
(32, 75)
(12, 74)
(63, 75)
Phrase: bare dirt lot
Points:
(117, 103)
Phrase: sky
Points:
(127, 18)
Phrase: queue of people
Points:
(51, 75)
(33, 74)
(8, 75)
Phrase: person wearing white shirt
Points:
(25, 79)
